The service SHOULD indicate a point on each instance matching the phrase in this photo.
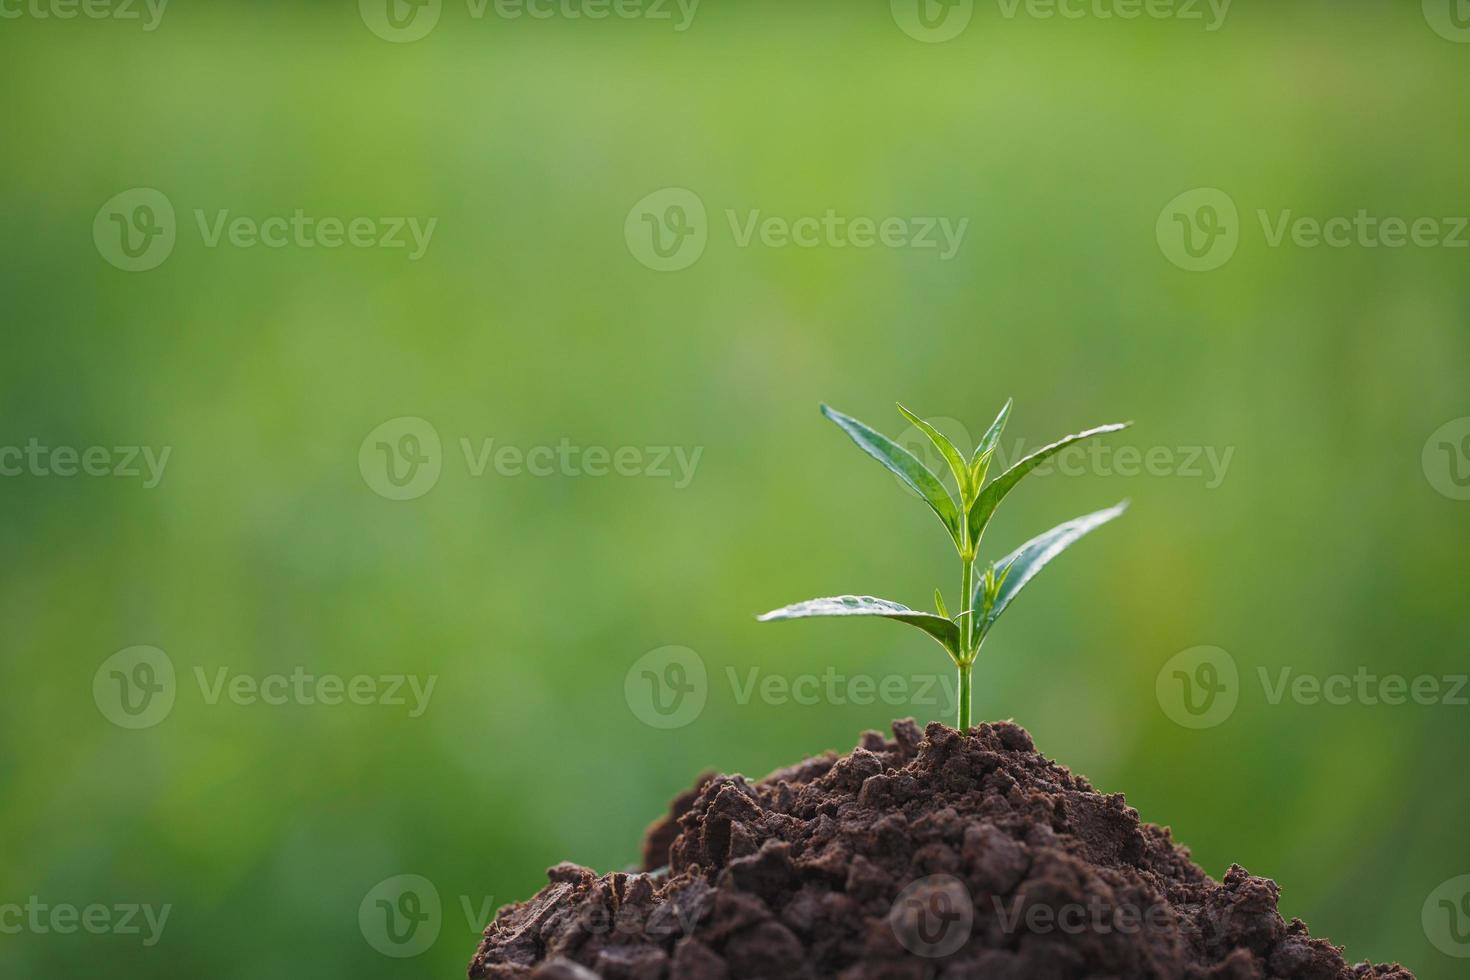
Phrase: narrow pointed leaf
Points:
(946, 632)
(986, 447)
(904, 465)
(939, 603)
(1019, 567)
(984, 506)
(946, 449)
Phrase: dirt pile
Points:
(936, 854)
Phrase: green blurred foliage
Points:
(529, 321)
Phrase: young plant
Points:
(982, 601)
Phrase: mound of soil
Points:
(937, 854)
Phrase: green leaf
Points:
(904, 465)
(984, 506)
(980, 462)
(946, 632)
(946, 449)
(939, 603)
(1014, 571)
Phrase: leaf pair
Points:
(993, 594)
(984, 507)
(980, 462)
(905, 465)
(966, 521)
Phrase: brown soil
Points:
(938, 854)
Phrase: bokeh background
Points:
(1332, 540)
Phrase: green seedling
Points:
(982, 601)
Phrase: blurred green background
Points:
(1328, 545)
